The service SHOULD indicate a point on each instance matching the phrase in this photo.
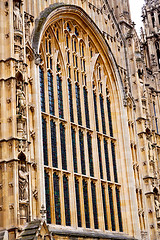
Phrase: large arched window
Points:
(79, 142)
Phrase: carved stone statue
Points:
(23, 184)
(17, 17)
(157, 207)
(21, 102)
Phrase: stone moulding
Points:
(61, 8)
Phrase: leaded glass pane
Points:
(54, 144)
(94, 202)
(78, 203)
(60, 96)
(86, 204)
(89, 140)
(81, 140)
(57, 199)
(45, 147)
(47, 194)
(42, 92)
(66, 200)
(50, 92)
(63, 146)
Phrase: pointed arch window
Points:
(66, 200)
(81, 141)
(54, 144)
(47, 195)
(86, 107)
(78, 203)
(45, 146)
(100, 157)
(63, 146)
(86, 204)
(94, 203)
(42, 91)
(50, 92)
(104, 206)
(89, 140)
(60, 96)
(74, 151)
(57, 199)
(70, 101)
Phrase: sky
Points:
(136, 12)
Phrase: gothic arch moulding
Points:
(54, 12)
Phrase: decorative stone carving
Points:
(17, 17)
(157, 207)
(21, 101)
(23, 184)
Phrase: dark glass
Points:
(57, 199)
(47, 195)
(63, 146)
(81, 141)
(100, 157)
(109, 117)
(111, 208)
(60, 96)
(42, 91)
(78, 204)
(96, 111)
(66, 201)
(119, 209)
(54, 144)
(86, 204)
(74, 151)
(44, 135)
(114, 162)
(78, 104)
(70, 101)
(89, 140)
(94, 202)
(85, 93)
(102, 114)
(104, 206)
(50, 92)
(107, 160)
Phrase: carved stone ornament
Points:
(23, 184)
(157, 207)
(17, 17)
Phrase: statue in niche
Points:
(17, 17)
(157, 207)
(23, 183)
(21, 100)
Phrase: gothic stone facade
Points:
(79, 120)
